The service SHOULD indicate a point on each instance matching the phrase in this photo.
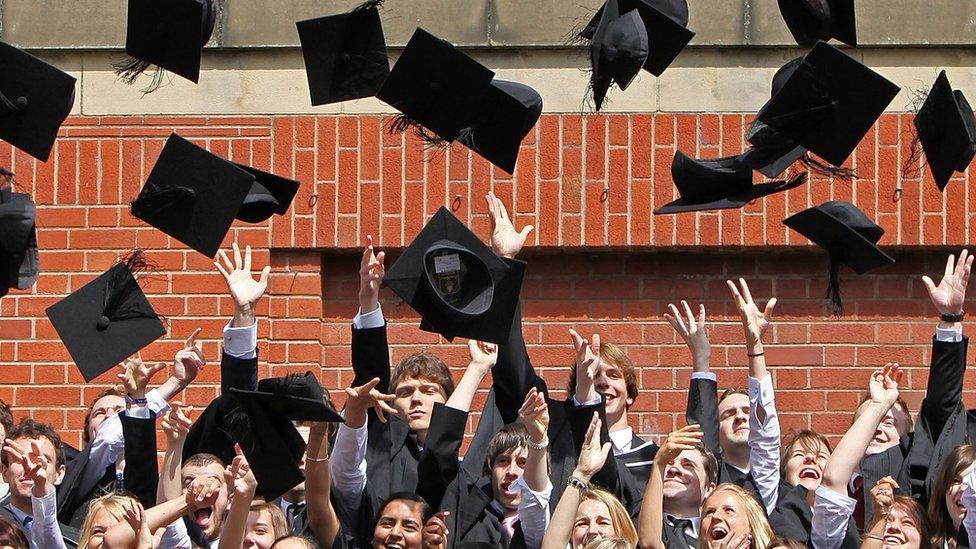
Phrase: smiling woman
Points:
(731, 517)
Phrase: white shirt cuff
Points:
(372, 319)
(843, 501)
(46, 505)
(139, 412)
(761, 390)
(705, 375)
(948, 335)
(592, 402)
(156, 403)
(241, 342)
(542, 495)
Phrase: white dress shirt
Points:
(241, 342)
(831, 512)
(533, 512)
(764, 440)
(45, 531)
(175, 536)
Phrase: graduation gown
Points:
(703, 410)
(791, 518)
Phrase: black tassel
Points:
(121, 284)
(401, 123)
(129, 71)
(153, 199)
(10, 107)
(915, 159)
(817, 166)
(368, 5)
(832, 297)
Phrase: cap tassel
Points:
(153, 199)
(914, 161)
(832, 297)
(368, 5)
(116, 304)
(10, 107)
(401, 123)
(129, 71)
(822, 168)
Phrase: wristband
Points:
(760, 353)
(537, 445)
(579, 483)
(953, 317)
(136, 401)
(317, 460)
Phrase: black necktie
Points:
(294, 511)
(680, 529)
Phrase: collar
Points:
(850, 485)
(286, 504)
(695, 522)
(18, 514)
(622, 439)
(500, 511)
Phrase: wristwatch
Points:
(953, 317)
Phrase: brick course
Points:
(599, 259)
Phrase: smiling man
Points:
(208, 519)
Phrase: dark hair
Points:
(790, 543)
(615, 355)
(958, 460)
(28, 428)
(308, 541)
(710, 463)
(202, 460)
(423, 365)
(729, 392)
(11, 535)
(426, 509)
(111, 391)
(899, 403)
(6, 417)
(914, 509)
(508, 439)
(806, 439)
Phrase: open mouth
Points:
(393, 545)
(202, 516)
(891, 541)
(718, 533)
(809, 473)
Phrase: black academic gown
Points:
(703, 410)
(70, 534)
(791, 518)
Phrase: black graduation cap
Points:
(35, 98)
(109, 319)
(828, 103)
(268, 439)
(947, 131)
(169, 34)
(812, 20)
(456, 283)
(345, 54)
(510, 111)
(297, 397)
(19, 267)
(771, 152)
(847, 234)
(717, 184)
(436, 86)
(618, 50)
(194, 196)
(666, 23)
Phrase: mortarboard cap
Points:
(19, 265)
(107, 320)
(848, 235)
(194, 196)
(618, 50)
(771, 152)
(947, 131)
(812, 20)
(345, 54)
(169, 34)
(297, 397)
(509, 112)
(268, 439)
(35, 98)
(436, 86)
(717, 184)
(458, 285)
(828, 103)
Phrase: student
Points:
(946, 510)
(898, 522)
(731, 517)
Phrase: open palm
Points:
(243, 288)
(950, 294)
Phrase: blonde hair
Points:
(111, 503)
(609, 543)
(278, 521)
(623, 526)
(759, 527)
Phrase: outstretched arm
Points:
(650, 533)
(322, 518)
(533, 509)
(239, 363)
(240, 480)
(702, 406)
(201, 493)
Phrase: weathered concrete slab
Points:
(74, 24)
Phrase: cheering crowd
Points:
(539, 472)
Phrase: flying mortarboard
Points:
(436, 86)
(297, 397)
(19, 265)
(717, 184)
(169, 34)
(345, 54)
(847, 234)
(194, 196)
(618, 50)
(456, 283)
(509, 112)
(109, 319)
(812, 20)
(35, 98)
(947, 131)
(828, 103)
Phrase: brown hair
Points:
(6, 418)
(28, 428)
(710, 462)
(615, 355)
(789, 543)
(278, 521)
(111, 391)
(806, 439)
(729, 392)
(12, 536)
(423, 365)
(759, 527)
(914, 510)
(900, 403)
(509, 438)
(958, 460)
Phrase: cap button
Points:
(103, 323)
(345, 57)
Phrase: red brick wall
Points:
(597, 262)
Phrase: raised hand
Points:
(175, 423)
(754, 321)
(587, 365)
(505, 240)
(360, 399)
(371, 272)
(534, 414)
(244, 290)
(32, 461)
(883, 495)
(949, 296)
(693, 333)
(204, 491)
(685, 438)
(483, 355)
(136, 375)
(883, 387)
(593, 455)
(435, 531)
(239, 477)
(135, 515)
(189, 360)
